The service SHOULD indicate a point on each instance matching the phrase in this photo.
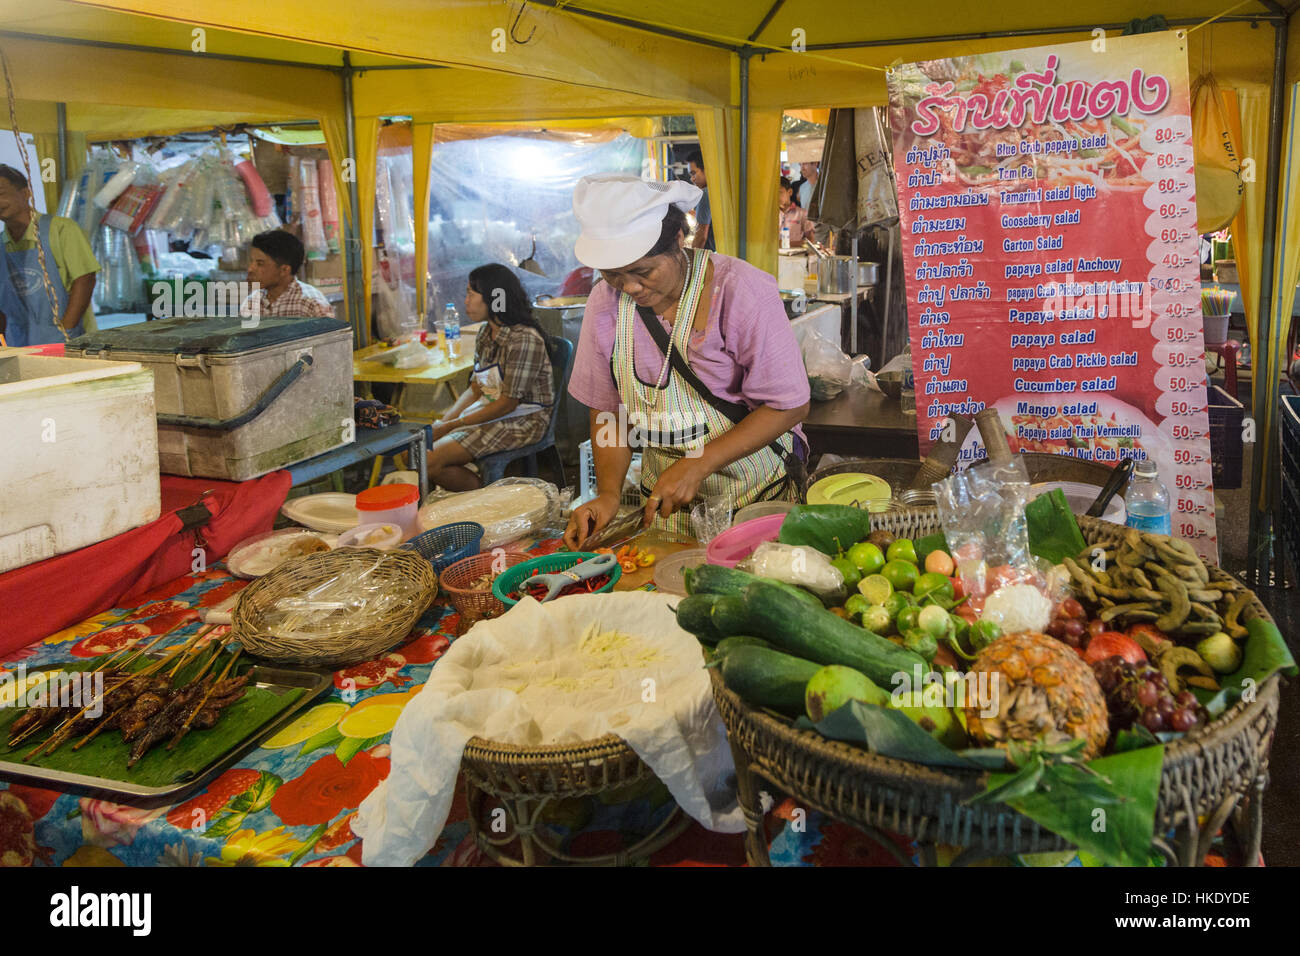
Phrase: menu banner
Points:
(1048, 210)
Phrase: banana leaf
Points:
(1111, 817)
(886, 732)
(931, 542)
(1265, 654)
(1053, 531)
(828, 528)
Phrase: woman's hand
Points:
(676, 488)
(589, 518)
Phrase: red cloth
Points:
(578, 282)
(43, 598)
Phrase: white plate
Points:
(332, 511)
(262, 553)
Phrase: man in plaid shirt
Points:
(273, 263)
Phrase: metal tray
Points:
(265, 676)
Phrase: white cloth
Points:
(622, 216)
(474, 690)
(489, 380)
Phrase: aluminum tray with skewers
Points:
(148, 724)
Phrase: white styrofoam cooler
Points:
(235, 402)
(81, 463)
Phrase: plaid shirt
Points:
(299, 300)
(521, 355)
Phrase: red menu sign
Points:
(1047, 202)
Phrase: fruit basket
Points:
(899, 472)
(525, 781)
(1212, 777)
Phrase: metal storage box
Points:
(235, 402)
(81, 463)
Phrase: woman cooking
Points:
(694, 345)
(507, 404)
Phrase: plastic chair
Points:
(493, 467)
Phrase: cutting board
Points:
(661, 544)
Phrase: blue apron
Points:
(23, 298)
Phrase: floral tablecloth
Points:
(292, 801)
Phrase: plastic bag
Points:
(983, 514)
(508, 510)
(798, 565)
(1219, 187)
(828, 368)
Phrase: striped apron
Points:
(675, 421)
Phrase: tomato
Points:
(966, 613)
(958, 591)
(1150, 630)
(1110, 643)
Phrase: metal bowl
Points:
(891, 383)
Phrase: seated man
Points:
(273, 264)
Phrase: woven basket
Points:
(547, 564)
(1215, 774)
(899, 472)
(299, 575)
(480, 604)
(444, 546)
(525, 780)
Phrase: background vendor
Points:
(273, 263)
(25, 299)
(724, 316)
(508, 402)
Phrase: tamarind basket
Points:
(524, 781)
(367, 638)
(1215, 775)
(899, 472)
(477, 604)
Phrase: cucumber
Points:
(820, 636)
(714, 579)
(729, 615)
(729, 644)
(762, 677)
(693, 616)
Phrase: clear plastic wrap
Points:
(795, 564)
(829, 369)
(983, 515)
(508, 510)
(348, 603)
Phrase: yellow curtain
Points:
(367, 150)
(1273, 362)
(717, 145)
(1248, 107)
(422, 167)
(764, 175)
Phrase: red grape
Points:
(1182, 719)
(1072, 608)
(1153, 721)
(1096, 626)
(1147, 694)
(1186, 699)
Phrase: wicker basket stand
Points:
(1213, 779)
(524, 781)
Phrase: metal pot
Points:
(835, 275)
(868, 273)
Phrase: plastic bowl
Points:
(391, 538)
(443, 547)
(736, 544)
(761, 509)
(668, 571)
(510, 579)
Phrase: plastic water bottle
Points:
(1147, 500)
(451, 327)
(785, 236)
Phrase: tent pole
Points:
(742, 201)
(352, 243)
(61, 119)
(1267, 391)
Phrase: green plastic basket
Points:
(510, 579)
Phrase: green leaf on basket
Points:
(886, 732)
(931, 542)
(1134, 738)
(1108, 813)
(828, 528)
(1053, 531)
(1265, 654)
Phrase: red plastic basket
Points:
(481, 603)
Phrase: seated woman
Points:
(792, 216)
(508, 402)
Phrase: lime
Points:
(876, 588)
(850, 571)
(933, 585)
(869, 558)
(901, 574)
(907, 618)
(856, 605)
(876, 619)
(901, 550)
(319, 718)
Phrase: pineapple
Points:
(1044, 692)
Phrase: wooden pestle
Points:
(938, 465)
(994, 436)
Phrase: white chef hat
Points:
(622, 216)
